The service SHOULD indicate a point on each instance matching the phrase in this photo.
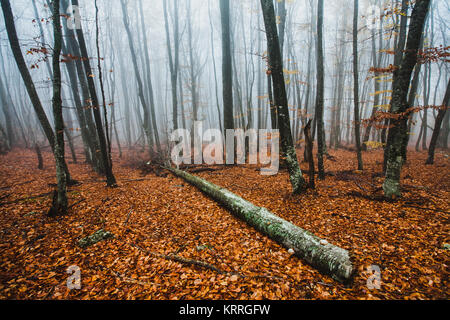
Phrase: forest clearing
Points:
(151, 215)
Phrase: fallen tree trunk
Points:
(325, 257)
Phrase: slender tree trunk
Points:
(23, 69)
(214, 68)
(309, 144)
(320, 91)
(173, 60)
(28, 81)
(427, 84)
(399, 55)
(376, 63)
(59, 206)
(280, 98)
(6, 108)
(227, 76)
(356, 85)
(102, 89)
(110, 179)
(149, 82)
(437, 125)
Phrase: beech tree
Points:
(280, 99)
(320, 92)
(227, 76)
(399, 104)
(59, 206)
(173, 57)
(356, 85)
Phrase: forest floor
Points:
(152, 215)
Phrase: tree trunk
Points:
(102, 89)
(39, 157)
(309, 144)
(227, 76)
(411, 100)
(84, 112)
(320, 91)
(214, 68)
(280, 98)
(154, 124)
(6, 107)
(59, 205)
(110, 179)
(376, 63)
(437, 126)
(399, 104)
(173, 60)
(356, 86)
(317, 252)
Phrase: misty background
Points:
(251, 105)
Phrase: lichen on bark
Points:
(94, 238)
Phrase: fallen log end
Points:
(98, 236)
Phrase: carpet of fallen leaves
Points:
(164, 215)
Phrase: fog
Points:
(249, 68)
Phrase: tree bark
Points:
(280, 98)
(320, 92)
(317, 252)
(399, 104)
(227, 76)
(59, 205)
(356, 86)
(110, 179)
(173, 60)
(145, 109)
(151, 97)
(309, 144)
(102, 89)
(437, 125)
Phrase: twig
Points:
(192, 262)
(128, 217)
(429, 209)
(127, 279)
(74, 204)
(15, 185)
(28, 198)
(205, 265)
(5, 196)
(361, 187)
